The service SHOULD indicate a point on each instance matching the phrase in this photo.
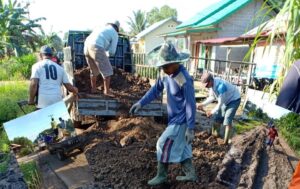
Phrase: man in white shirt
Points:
(46, 80)
(229, 99)
(95, 47)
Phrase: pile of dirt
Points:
(125, 156)
(124, 85)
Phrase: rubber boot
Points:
(189, 171)
(228, 134)
(215, 130)
(161, 176)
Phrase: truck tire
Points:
(61, 155)
(52, 152)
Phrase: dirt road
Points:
(250, 164)
(71, 173)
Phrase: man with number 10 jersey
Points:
(46, 80)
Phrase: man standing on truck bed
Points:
(95, 47)
(174, 145)
(46, 80)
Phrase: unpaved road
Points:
(73, 171)
(70, 173)
(250, 164)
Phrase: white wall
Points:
(262, 100)
(153, 40)
(240, 22)
(268, 60)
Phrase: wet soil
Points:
(251, 164)
(124, 156)
(124, 86)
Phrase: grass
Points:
(10, 93)
(4, 163)
(289, 127)
(31, 174)
(246, 125)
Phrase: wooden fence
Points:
(140, 66)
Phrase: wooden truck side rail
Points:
(101, 106)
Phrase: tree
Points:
(51, 39)
(156, 14)
(138, 22)
(16, 29)
(23, 141)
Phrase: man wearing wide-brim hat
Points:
(228, 98)
(174, 145)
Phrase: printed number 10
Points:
(52, 70)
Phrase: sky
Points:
(32, 124)
(64, 15)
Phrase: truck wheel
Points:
(52, 152)
(60, 155)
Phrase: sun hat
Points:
(166, 54)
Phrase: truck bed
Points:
(105, 106)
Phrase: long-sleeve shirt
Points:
(106, 38)
(272, 133)
(224, 92)
(181, 103)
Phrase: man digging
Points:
(174, 145)
(229, 99)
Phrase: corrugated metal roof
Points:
(153, 27)
(214, 14)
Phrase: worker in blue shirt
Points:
(174, 145)
(229, 99)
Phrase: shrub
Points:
(17, 68)
(25, 151)
(290, 128)
(291, 122)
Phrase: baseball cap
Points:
(45, 50)
(205, 78)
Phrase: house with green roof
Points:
(226, 18)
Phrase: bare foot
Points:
(109, 94)
(94, 91)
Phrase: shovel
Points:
(21, 104)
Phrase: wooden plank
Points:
(97, 112)
(104, 105)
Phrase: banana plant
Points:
(16, 28)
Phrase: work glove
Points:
(135, 108)
(189, 135)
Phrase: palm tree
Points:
(16, 28)
(138, 22)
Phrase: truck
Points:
(93, 105)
